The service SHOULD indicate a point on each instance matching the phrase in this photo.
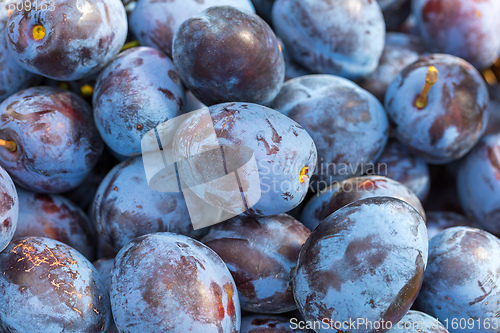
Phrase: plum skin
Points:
(165, 281)
(54, 216)
(138, 91)
(9, 209)
(400, 50)
(352, 53)
(260, 254)
(229, 55)
(13, 76)
(366, 260)
(467, 29)
(478, 184)
(80, 38)
(456, 114)
(281, 147)
(125, 207)
(48, 124)
(154, 23)
(462, 277)
(67, 290)
(348, 125)
(350, 190)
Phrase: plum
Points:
(53, 286)
(348, 125)
(168, 282)
(351, 190)
(229, 55)
(272, 156)
(260, 254)
(340, 37)
(462, 279)
(49, 142)
(125, 207)
(9, 209)
(155, 23)
(138, 91)
(54, 216)
(478, 184)
(66, 39)
(442, 121)
(464, 28)
(366, 260)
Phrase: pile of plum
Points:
(371, 130)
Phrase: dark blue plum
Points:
(284, 158)
(50, 142)
(397, 163)
(9, 209)
(54, 216)
(66, 39)
(353, 189)
(366, 260)
(260, 254)
(451, 121)
(13, 77)
(229, 55)
(49, 287)
(462, 279)
(418, 322)
(155, 23)
(348, 125)
(138, 91)
(269, 324)
(125, 207)
(340, 37)
(464, 28)
(395, 12)
(400, 51)
(165, 282)
(437, 221)
(478, 184)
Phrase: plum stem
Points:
(430, 79)
(9, 144)
(130, 45)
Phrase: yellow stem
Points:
(430, 79)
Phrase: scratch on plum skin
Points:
(54, 285)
